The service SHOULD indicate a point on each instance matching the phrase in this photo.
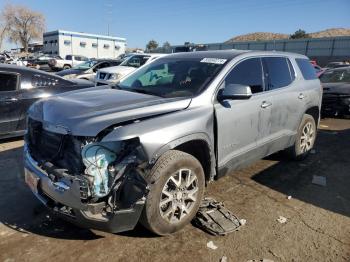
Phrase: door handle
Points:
(301, 96)
(8, 100)
(266, 104)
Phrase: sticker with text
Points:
(213, 61)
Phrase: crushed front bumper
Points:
(63, 198)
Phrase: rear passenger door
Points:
(286, 108)
(10, 108)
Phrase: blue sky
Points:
(199, 21)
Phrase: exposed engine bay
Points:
(108, 175)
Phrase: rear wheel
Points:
(176, 190)
(305, 138)
(66, 67)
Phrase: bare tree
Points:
(3, 31)
(23, 25)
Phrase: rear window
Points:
(8, 82)
(277, 72)
(306, 68)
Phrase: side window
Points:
(306, 69)
(249, 73)
(68, 57)
(277, 72)
(77, 58)
(8, 82)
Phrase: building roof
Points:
(81, 34)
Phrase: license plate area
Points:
(32, 181)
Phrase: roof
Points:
(81, 34)
(21, 69)
(229, 54)
(222, 54)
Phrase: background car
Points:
(20, 87)
(41, 62)
(112, 75)
(67, 63)
(336, 65)
(336, 92)
(88, 69)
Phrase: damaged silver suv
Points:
(108, 157)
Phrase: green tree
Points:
(299, 34)
(152, 44)
(166, 45)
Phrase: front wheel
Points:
(176, 189)
(305, 139)
(66, 67)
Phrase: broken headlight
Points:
(107, 162)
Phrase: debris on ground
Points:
(319, 180)
(211, 245)
(260, 260)
(289, 197)
(223, 259)
(215, 219)
(242, 222)
(282, 219)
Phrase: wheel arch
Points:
(197, 145)
(314, 111)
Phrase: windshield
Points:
(173, 77)
(336, 76)
(135, 61)
(86, 65)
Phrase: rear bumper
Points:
(63, 198)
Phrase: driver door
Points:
(242, 123)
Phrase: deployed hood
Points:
(118, 69)
(336, 88)
(88, 112)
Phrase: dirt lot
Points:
(317, 227)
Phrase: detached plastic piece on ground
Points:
(215, 219)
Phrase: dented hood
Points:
(88, 112)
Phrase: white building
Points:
(64, 43)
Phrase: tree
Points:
(166, 45)
(152, 44)
(23, 25)
(3, 32)
(299, 34)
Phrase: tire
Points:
(66, 67)
(162, 219)
(301, 147)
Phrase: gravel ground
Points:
(317, 226)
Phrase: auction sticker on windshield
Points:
(213, 61)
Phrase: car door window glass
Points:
(249, 73)
(68, 57)
(8, 82)
(277, 72)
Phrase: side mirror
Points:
(235, 92)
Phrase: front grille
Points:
(64, 151)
